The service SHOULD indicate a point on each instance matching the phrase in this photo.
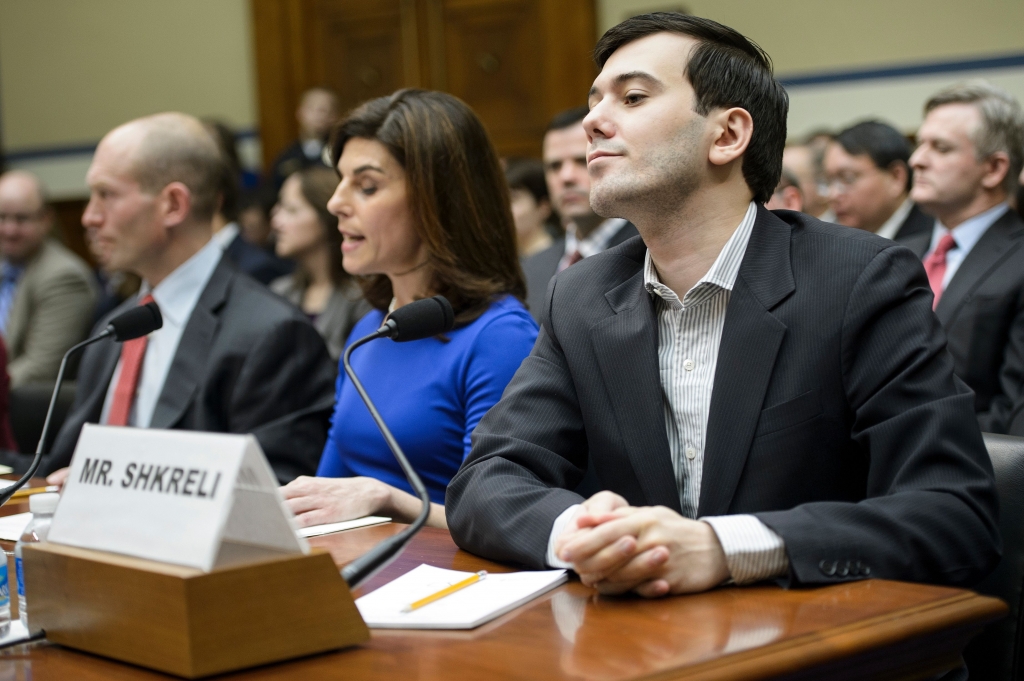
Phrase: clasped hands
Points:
(652, 551)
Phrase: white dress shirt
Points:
(225, 235)
(176, 296)
(594, 243)
(689, 336)
(891, 227)
(966, 234)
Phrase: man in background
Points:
(317, 113)
(586, 232)
(787, 195)
(47, 293)
(869, 181)
(803, 161)
(966, 165)
(231, 356)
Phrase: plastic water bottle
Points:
(42, 507)
(5, 596)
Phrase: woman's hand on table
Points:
(58, 477)
(316, 501)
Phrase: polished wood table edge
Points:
(968, 611)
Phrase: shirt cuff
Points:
(753, 552)
(556, 529)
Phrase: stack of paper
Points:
(467, 608)
(12, 526)
(329, 528)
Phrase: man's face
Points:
(947, 171)
(122, 219)
(317, 114)
(24, 220)
(565, 168)
(646, 143)
(862, 194)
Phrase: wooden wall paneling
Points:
(569, 30)
(364, 51)
(493, 64)
(277, 87)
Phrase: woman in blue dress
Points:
(422, 209)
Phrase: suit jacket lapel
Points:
(986, 254)
(746, 358)
(626, 345)
(189, 364)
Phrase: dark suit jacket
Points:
(982, 311)
(256, 262)
(247, 362)
(835, 415)
(541, 267)
(917, 222)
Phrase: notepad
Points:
(466, 609)
(329, 528)
(12, 526)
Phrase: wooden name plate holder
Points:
(185, 621)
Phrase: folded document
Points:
(468, 608)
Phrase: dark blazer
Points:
(247, 362)
(256, 262)
(917, 222)
(541, 267)
(835, 415)
(982, 311)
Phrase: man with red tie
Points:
(970, 153)
(231, 356)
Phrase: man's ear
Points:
(733, 129)
(175, 203)
(996, 167)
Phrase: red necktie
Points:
(132, 353)
(935, 265)
(574, 258)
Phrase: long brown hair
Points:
(317, 185)
(457, 195)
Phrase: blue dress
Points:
(431, 394)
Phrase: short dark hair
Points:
(568, 118)
(726, 69)
(528, 174)
(457, 196)
(881, 142)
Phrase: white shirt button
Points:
(691, 453)
(688, 364)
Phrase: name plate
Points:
(203, 500)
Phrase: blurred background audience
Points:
(316, 115)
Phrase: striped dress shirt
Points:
(689, 335)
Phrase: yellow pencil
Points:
(457, 586)
(29, 491)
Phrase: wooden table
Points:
(872, 629)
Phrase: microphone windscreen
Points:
(136, 322)
(422, 319)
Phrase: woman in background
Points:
(307, 233)
(531, 207)
(423, 210)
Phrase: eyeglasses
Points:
(842, 182)
(20, 219)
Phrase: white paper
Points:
(330, 528)
(467, 608)
(12, 526)
(183, 497)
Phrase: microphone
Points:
(421, 319)
(135, 323)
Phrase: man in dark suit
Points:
(762, 395)
(586, 233)
(231, 356)
(316, 115)
(869, 181)
(965, 169)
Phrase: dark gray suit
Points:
(835, 416)
(247, 362)
(982, 311)
(916, 222)
(540, 267)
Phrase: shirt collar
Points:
(225, 235)
(179, 292)
(968, 232)
(9, 270)
(596, 241)
(722, 274)
(891, 227)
